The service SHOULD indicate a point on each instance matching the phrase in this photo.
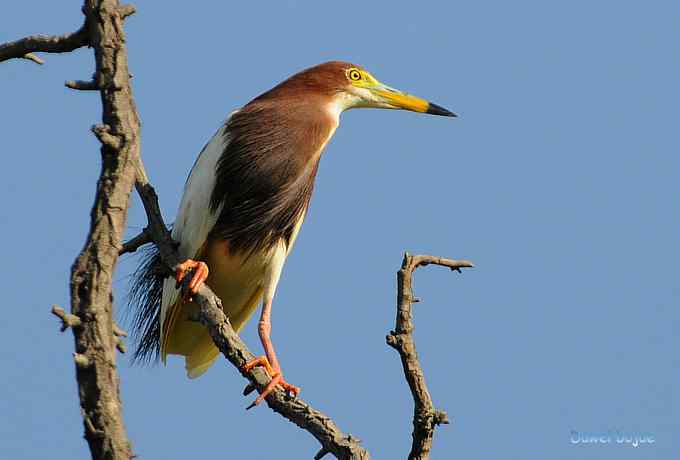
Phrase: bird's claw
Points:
(200, 274)
(276, 379)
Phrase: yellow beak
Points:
(401, 100)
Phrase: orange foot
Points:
(200, 270)
(276, 379)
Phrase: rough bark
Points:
(91, 319)
(425, 417)
(25, 47)
(92, 272)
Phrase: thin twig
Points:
(23, 48)
(126, 10)
(67, 319)
(135, 243)
(321, 454)
(82, 85)
(425, 416)
(33, 57)
(118, 331)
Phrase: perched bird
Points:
(243, 204)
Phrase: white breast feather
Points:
(194, 219)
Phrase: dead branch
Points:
(96, 335)
(67, 319)
(425, 417)
(82, 85)
(25, 47)
(135, 243)
(92, 271)
(91, 318)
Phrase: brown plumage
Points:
(266, 174)
(243, 204)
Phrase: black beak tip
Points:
(435, 109)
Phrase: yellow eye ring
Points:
(354, 74)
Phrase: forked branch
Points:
(425, 416)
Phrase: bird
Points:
(243, 204)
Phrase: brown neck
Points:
(265, 176)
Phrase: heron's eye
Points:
(354, 75)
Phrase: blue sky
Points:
(559, 180)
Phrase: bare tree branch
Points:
(24, 47)
(82, 85)
(126, 10)
(91, 319)
(135, 243)
(97, 339)
(33, 57)
(67, 319)
(425, 417)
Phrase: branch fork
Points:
(425, 416)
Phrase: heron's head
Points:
(346, 86)
(360, 89)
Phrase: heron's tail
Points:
(144, 305)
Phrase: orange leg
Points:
(269, 362)
(200, 274)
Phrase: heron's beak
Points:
(400, 100)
